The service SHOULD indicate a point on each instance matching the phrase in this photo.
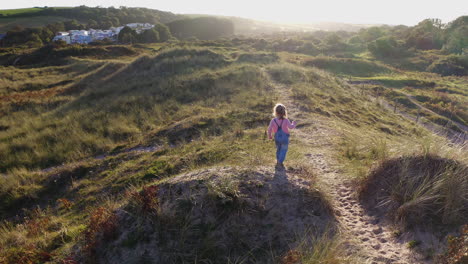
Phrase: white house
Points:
(65, 38)
(86, 36)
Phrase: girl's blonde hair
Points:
(280, 111)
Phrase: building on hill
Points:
(102, 34)
(87, 36)
(64, 36)
(80, 37)
(140, 27)
(116, 29)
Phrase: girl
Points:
(280, 125)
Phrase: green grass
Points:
(7, 12)
(444, 97)
(353, 67)
(91, 121)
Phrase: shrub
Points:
(102, 225)
(386, 47)
(146, 201)
(419, 189)
(457, 249)
(450, 65)
(25, 255)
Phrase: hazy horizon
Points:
(295, 11)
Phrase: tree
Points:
(458, 41)
(56, 27)
(115, 21)
(92, 24)
(127, 35)
(34, 41)
(371, 33)
(46, 35)
(385, 47)
(308, 48)
(106, 24)
(149, 36)
(334, 43)
(72, 24)
(456, 35)
(163, 32)
(426, 35)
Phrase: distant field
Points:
(7, 23)
(7, 12)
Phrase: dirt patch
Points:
(221, 215)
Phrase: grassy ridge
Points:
(124, 125)
(110, 112)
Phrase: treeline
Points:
(34, 37)
(202, 28)
(160, 33)
(37, 37)
(382, 41)
(98, 17)
(429, 34)
(397, 44)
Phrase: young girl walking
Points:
(280, 125)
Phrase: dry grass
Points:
(419, 190)
(200, 108)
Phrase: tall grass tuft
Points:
(419, 189)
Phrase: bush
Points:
(102, 226)
(450, 65)
(419, 189)
(386, 47)
(456, 252)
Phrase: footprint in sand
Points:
(377, 230)
(376, 246)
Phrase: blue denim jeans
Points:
(281, 150)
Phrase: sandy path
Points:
(366, 236)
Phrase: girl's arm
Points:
(270, 129)
(292, 125)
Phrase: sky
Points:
(393, 12)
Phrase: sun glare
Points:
(292, 11)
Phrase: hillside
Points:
(158, 153)
(101, 17)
